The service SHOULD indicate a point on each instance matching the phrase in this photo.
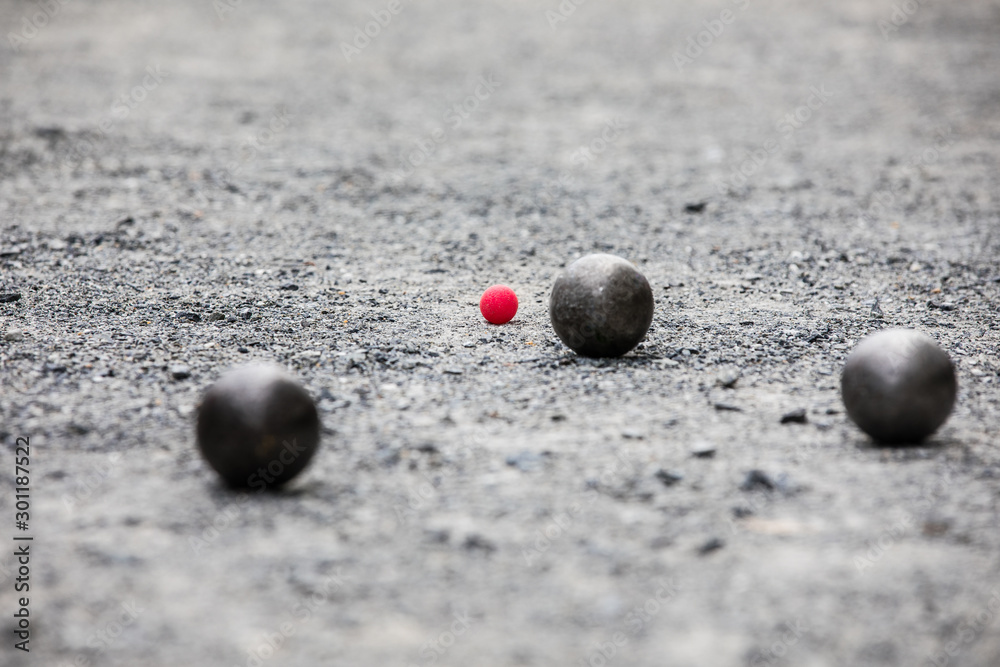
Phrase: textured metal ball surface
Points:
(601, 306)
(898, 386)
(257, 427)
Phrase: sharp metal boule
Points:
(601, 306)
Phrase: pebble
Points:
(703, 450)
(758, 480)
(898, 386)
(728, 379)
(727, 407)
(257, 427)
(526, 461)
(601, 306)
(13, 336)
(795, 417)
(669, 477)
(9, 297)
(180, 372)
(710, 545)
(215, 317)
(187, 316)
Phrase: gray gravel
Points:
(186, 187)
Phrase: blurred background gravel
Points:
(189, 186)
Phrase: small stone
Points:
(758, 480)
(898, 386)
(257, 427)
(476, 542)
(876, 311)
(246, 313)
(713, 544)
(727, 407)
(216, 316)
(13, 336)
(453, 371)
(942, 305)
(186, 316)
(696, 207)
(703, 450)
(289, 287)
(633, 434)
(728, 379)
(601, 306)
(527, 461)
(180, 372)
(795, 417)
(669, 477)
(231, 319)
(9, 297)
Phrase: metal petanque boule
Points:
(898, 386)
(601, 306)
(257, 427)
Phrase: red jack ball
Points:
(498, 304)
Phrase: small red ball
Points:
(498, 304)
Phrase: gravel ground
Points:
(192, 186)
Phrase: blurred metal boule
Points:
(257, 427)
(898, 386)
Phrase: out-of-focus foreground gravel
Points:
(484, 496)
